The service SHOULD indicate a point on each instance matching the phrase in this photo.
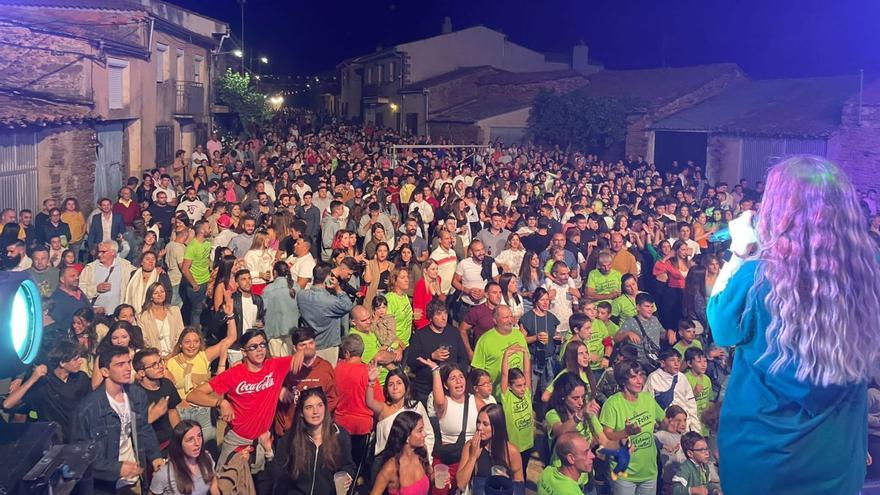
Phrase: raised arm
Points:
(436, 387)
(374, 405)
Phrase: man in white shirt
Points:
(103, 280)
(214, 144)
(198, 155)
(563, 294)
(226, 234)
(469, 279)
(302, 263)
(165, 185)
(446, 259)
(684, 234)
(192, 205)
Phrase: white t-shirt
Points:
(248, 313)
(194, 210)
(450, 423)
(471, 278)
(561, 305)
(126, 448)
(302, 267)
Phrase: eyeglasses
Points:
(700, 450)
(155, 366)
(254, 347)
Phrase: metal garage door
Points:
(18, 170)
(761, 153)
(507, 135)
(108, 168)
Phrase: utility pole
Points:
(244, 53)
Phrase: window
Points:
(117, 86)
(370, 75)
(164, 145)
(163, 63)
(181, 72)
(197, 68)
(391, 74)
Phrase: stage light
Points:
(21, 323)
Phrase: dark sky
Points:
(767, 38)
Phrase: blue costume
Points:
(779, 435)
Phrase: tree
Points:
(593, 124)
(243, 99)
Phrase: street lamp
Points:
(264, 60)
(238, 53)
(393, 107)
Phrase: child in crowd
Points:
(687, 337)
(481, 383)
(700, 382)
(668, 442)
(516, 400)
(603, 314)
(693, 477)
(581, 330)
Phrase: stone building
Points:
(96, 91)
(748, 128)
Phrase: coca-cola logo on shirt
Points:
(250, 388)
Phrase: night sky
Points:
(766, 38)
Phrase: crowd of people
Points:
(297, 313)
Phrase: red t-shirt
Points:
(253, 395)
(352, 412)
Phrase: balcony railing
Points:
(190, 99)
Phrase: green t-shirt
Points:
(582, 375)
(611, 328)
(200, 255)
(704, 397)
(400, 308)
(681, 347)
(552, 482)
(623, 307)
(594, 345)
(552, 418)
(520, 419)
(371, 348)
(489, 353)
(604, 284)
(646, 413)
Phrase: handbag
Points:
(451, 453)
(652, 351)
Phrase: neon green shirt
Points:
(400, 308)
(681, 347)
(200, 255)
(489, 353)
(552, 482)
(582, 375)
(703, 397)
(583, 429)
(371, 348)
(645, 413)
(594, 345)
(520, 419)
(604, 284)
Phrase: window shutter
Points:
(160, 66)
(115, 86)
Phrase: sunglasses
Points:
(254, 347)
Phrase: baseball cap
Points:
(224, 221)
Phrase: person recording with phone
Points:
(324, 307)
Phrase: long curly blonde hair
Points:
(822, 271)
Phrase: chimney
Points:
(447, 25)
(580, 58)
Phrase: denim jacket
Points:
(94, 420)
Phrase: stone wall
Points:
(66, 157)
(856, 146)
(458, 133)
(637, 131)
(43, 63)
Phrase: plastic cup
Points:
(339, 480)
(441, 474)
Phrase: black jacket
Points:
(94, 419)
(317, 480)
(236, 308)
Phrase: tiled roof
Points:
(505, 77)
(22, 111)
(655, 87)
(120, 5)
(449, 76)
(808, 107)
(479, 109)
